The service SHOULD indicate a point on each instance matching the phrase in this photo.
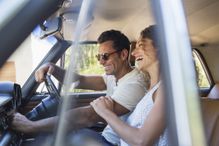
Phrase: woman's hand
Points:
(102, 105)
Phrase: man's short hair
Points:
(120, 41)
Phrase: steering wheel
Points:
(49, 105)
(51, 86)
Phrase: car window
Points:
(25, 59)
(203, 79)
(88, 64)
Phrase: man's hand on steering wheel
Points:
(47, 68)
(51, 86)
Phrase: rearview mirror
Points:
(50, 26)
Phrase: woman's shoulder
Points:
(160, 90)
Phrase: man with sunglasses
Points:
(125, 85)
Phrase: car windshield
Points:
(34, 50)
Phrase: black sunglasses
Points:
(105, 56)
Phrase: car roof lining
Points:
(136, 15)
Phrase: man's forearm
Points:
(59, 74)
(74, 119)
(82, 117)
(45, 125)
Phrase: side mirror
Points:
(50, 26)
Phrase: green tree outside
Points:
(87, 62)
(202, 79)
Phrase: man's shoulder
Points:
(134, 76)
(136, 73)
(108, 77)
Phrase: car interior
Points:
(65, 33)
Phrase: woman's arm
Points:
(152, 128)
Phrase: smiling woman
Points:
(149, 112)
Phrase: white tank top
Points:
(138, 116)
